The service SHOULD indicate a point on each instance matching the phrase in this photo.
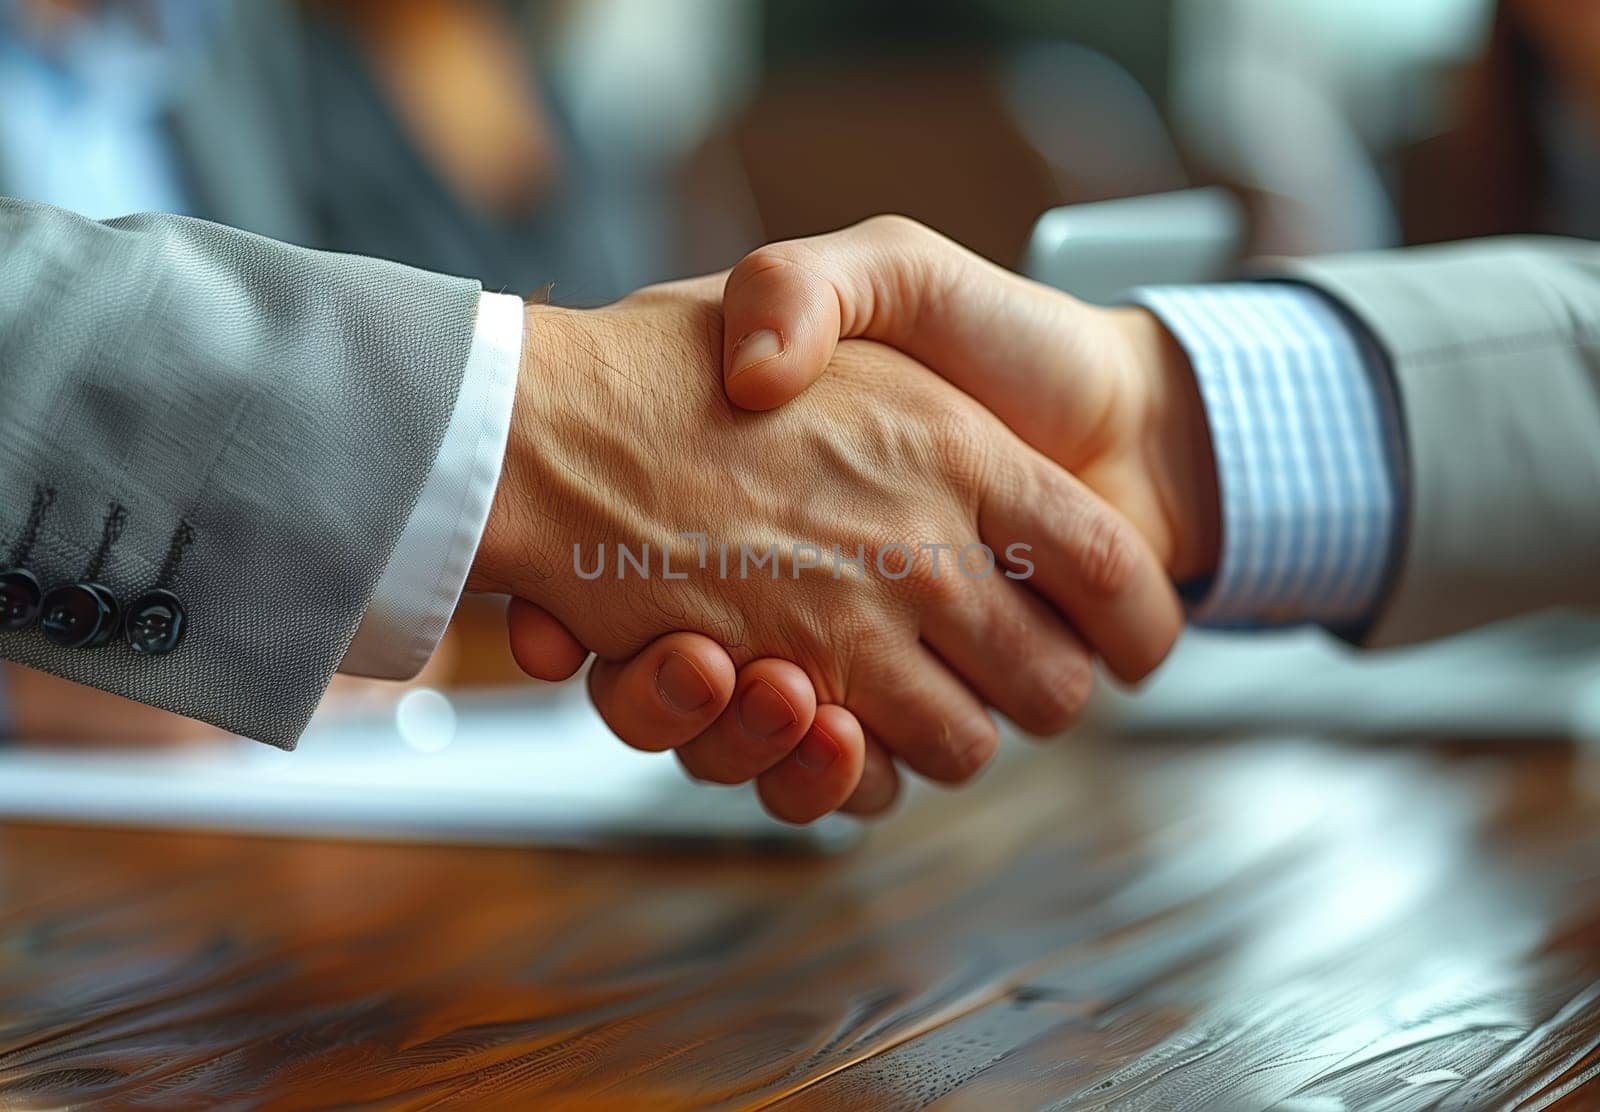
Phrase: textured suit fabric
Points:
(286, 403)
(1495, 350)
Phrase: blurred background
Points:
(603, 144)
(593, 146)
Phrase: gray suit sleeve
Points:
(285, 404)
(1495, 348)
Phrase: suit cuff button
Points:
(20, 594)
(79, 616)
(156, 623)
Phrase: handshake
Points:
(921, 486)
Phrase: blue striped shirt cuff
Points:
(1305, 431)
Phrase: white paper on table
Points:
(524, 771)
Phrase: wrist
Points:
(516, 541)
(1176, 449)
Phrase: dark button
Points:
(79, 616)
(156, 623)
(19, 599)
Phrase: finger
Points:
(787, 305)
(541, 645)
(924, 715)
(671, 691)
(1075, 550)
(1014, 649)
(879, 786)
(821, 773)
(773, 706)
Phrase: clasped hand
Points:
(807, 578)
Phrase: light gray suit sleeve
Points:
(286, 404)
(1495, 349)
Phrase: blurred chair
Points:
(1098, 251)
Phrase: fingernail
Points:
(816, 751)
(763, 712)
(681, 684)
(755, 347)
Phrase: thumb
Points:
(781, 322)
(787, 305)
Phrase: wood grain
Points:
(1267, 925)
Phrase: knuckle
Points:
(876, 649)
(894, 226)
(759, 266)
(934, 581)
(1108, 556)
(1156, 648)
(964, 442)
(969, 747)
(1010, 628)
(1059, 696)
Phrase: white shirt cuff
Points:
(422, 582)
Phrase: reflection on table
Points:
(1279, 923)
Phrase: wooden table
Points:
(1239, 926)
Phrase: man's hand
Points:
(1106, 393)
(621, 435)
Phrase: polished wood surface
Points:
(1287, 925)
